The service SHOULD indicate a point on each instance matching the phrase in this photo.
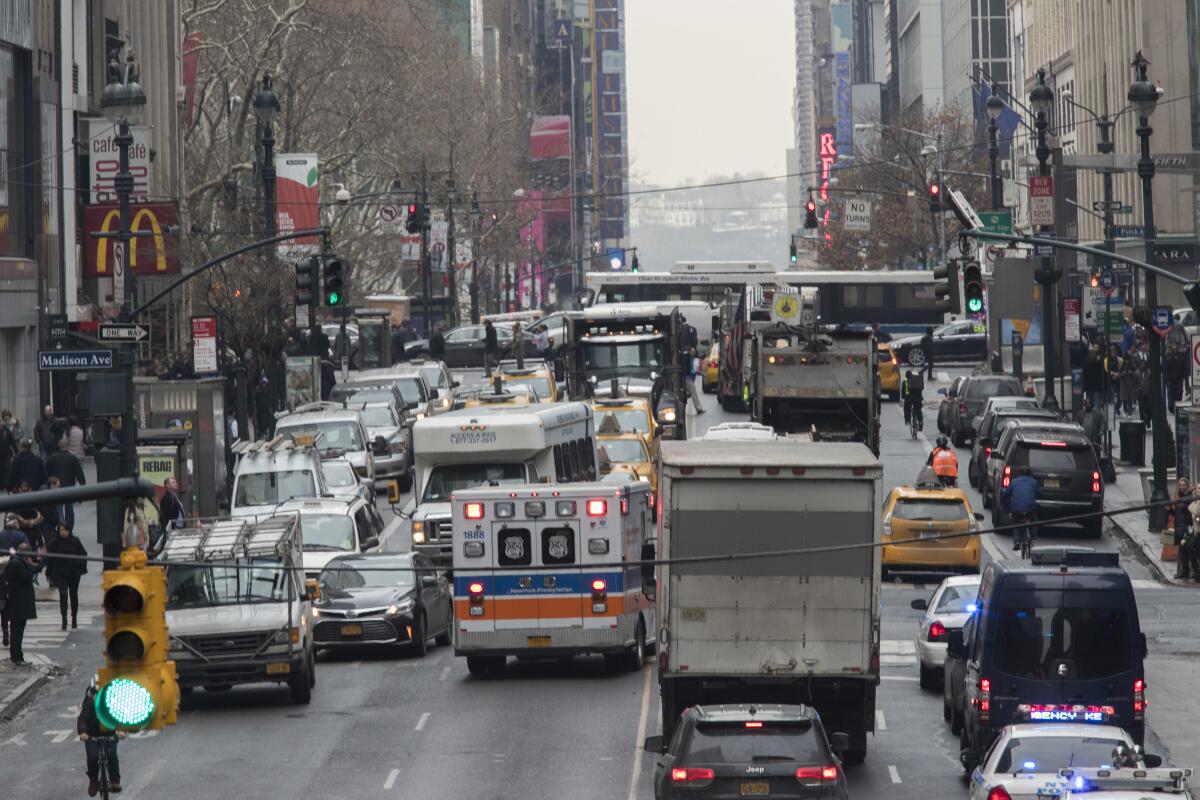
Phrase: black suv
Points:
(749, 751)
(972, 395)
(1064, 463)
(991, 426)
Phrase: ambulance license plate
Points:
(756, 788)
(352, 630)
(279, 669)
(538, 641)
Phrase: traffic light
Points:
(792, 250)
(935, 197)
(810, 213)
(634, 266)
(306, 274)
(945, 289)
(413, 222)
(426, 217)
(1095, 280)
(1192, 292)
(333, 286)
(137, 689)
(973, 287)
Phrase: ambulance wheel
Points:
(636, 655)
(477, 665)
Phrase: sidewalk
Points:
(1135, 526)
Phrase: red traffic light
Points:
(412, 208)
(1095, 280)
(811, 206)
(935, 189)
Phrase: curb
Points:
(1151, 556)
(11, 704)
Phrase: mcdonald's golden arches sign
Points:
(154, 253)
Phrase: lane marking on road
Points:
(989, 543)
(420, 726)
(880, 722)
(58, 737)
(445, 673)
(905, 678)
(391, 779)
(17, 739)
(893, 774)
(641, 735)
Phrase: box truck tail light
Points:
(1139, 699)
(686, 470)
(697, 775)
(474, 510)
(1095, 482)
(597, 508)
(860, 470)
(1007, 478)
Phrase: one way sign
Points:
(122, 332)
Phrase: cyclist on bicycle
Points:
(910, 389)
(944, 462)
(1021, 497)
(90, 732)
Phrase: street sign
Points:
(302, 317)
(1163, 320)
(996, 221)
(204, 345)
(57, 329)
(390, 216)
(1100, 206)
(1041, 199)
(1124, 210)
(1043, 250)
(122, 332)
(1108, 282)
(1071, 319)
(1127, 232)
(118, 274)
(74, 360)
(858, 215)
(564, 31)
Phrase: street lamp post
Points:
(266, 107)
(123, 103)
(477, 229)
(994, 108)
(451, 246)
(1143, 96)
(1041, 100)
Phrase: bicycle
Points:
(1025, 532)
(103, 742)
(915, 422)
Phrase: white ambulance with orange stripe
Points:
(539, 571)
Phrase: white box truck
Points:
(780, 629)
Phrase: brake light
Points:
(816, 773)
(624, 506)
(652, 499)
(985, 685)
(1095, 482)
(597, 508)
(754, 724)
(1054, 444)
(1007, 478)
(895, 363)
(474, 511)
(937, 632)
(985, 700)
(691, 774)
(962, 406)
(475, 598)
(1139, 699)
(987, 452)
(999, 793)
(599, 585)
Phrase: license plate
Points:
(1052, 483)
(352, 630)
(930, 534)
(756, 788)
(279, 669)
(538, 641)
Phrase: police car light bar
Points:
(1134, 780)
(1065, 713)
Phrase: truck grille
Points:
(373, 630)
(442, 529)
(232, 644)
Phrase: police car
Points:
(1024, 761)
(1165, 783)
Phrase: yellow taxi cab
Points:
(627, 452)
(913, 520)
(889, 371)
(534, 373)
(710, 366)
(632, 414)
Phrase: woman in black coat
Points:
(19, 574)
(65, 573)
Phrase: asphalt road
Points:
(384, 724)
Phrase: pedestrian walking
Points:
(1181, 518)
(65, 573)
(542, 338)
(1129, 382)
(491, 347)
(1112, 365)
(927, 351)
(1092, 420)
(66, 467)
(690, 382)
(10, 539)
(1176, 366)
(21, 606)
(27, 468)
(8, 451)
(1143, 383)
(12, 425)
(518, 345)
(76, 439)
(437, 344)
(47, 432)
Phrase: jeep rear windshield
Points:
(979, 388)
(1053, 459)
(734, 743)
(219, 585)
(269, 488)
(450, 478)
(1072, 643)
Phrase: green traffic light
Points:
(124, 703)
(974, 304)
(333, 299)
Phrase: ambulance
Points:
(538, 573)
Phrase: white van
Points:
(273, 472)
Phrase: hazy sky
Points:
(709, 87)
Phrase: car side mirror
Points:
(380, 446)
(920, 604)
(955, 646)
(942, 391)
(428, 582)
(371, 543)
(455, 384)
(839, 742)
(978, 517)
(312, 590)
(654, 744)
(1152, 761)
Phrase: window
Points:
(363, 522)
(624, 451)
(514, 548)
(327, 532)
(217, 585)
(1053, 459)
(981, 388)
(378, 417)
(342, 575)
(448, 478)
(1049, 754)
(269, 488)
(573, 450)
(930, 510)
(1092, 642)
(587, 455)
(461, 335)
(955, 599)
(336, 437)
(560, 467)
(630, 421)
(558, 546)
(734, 743)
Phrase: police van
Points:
(537, 573)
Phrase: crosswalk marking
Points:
(897, 652)
(46, 633)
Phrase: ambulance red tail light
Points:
(699, 776)
(999, 793)
(597, 508)
(474, 510)
(599, 585)
(475, 598)
(599, 596)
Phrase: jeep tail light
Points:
(1139, 699)
(697, 775)
(1004, 483)
(817, 773)
(474, 510)
(937, 632)
(1095, 482)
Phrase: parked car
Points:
(1065, 464)
(994, 464)
(465, 345)
(952, 603)
(991, 424)
(949, 397)
(974, 392)
(960, 342)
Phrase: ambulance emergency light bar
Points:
(1066, 713)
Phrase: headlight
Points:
(420, 415)
(443, 402)
(403, 607)
(175, 646)
(280, 637)
(418, 532)
(666, 415)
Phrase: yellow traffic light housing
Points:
(138, 687)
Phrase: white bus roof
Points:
(508, 431)
(690, 267)
(789, 278)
